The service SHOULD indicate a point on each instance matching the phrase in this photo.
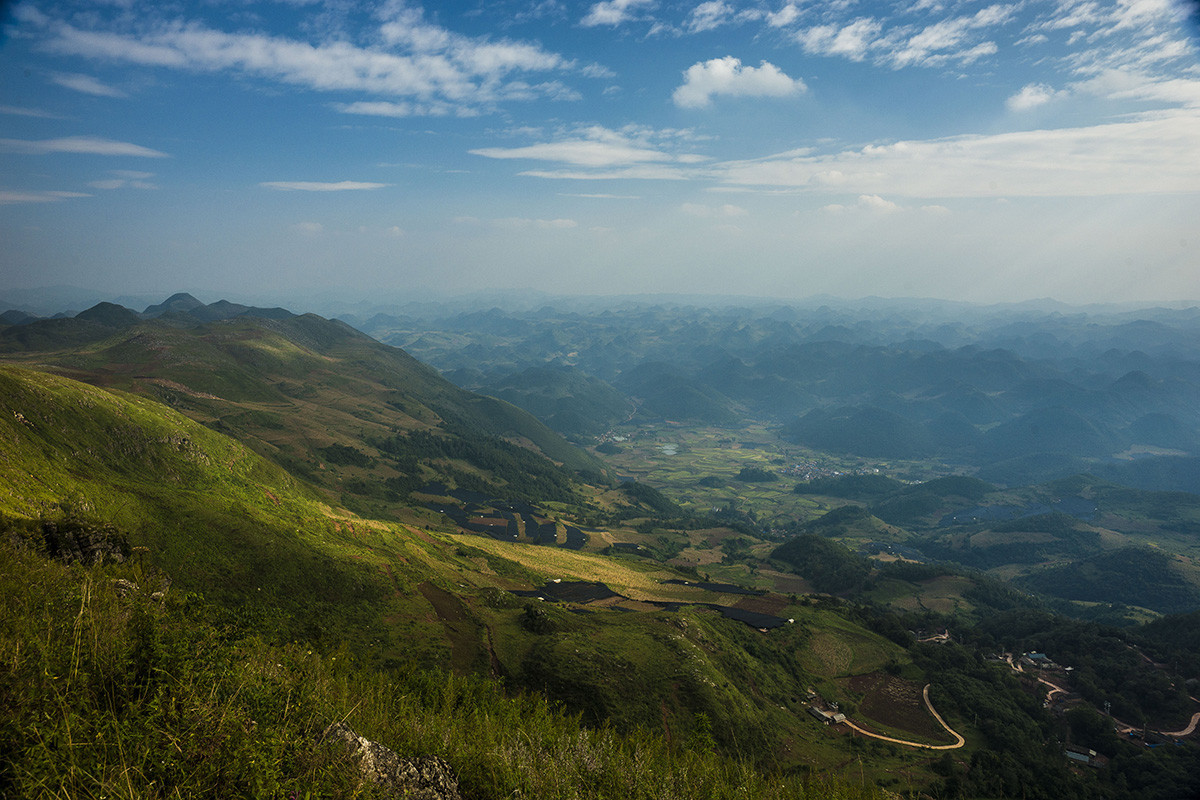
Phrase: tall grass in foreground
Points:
(108, 692)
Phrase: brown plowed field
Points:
(898, 704)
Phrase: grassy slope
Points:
(272, 556)
(108, 693)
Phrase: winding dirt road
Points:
(1189, 730)
(960, 741)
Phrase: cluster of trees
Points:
(513, 472)
(827, 565)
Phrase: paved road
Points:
(960, 741)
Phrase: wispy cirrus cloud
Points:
(87, 145)
(320, 186)
(87, 84)
(1156, 154)
(386, 108)
(10, 197)
(899, 44)
(594, 146)
(596, 152)
(125, 179)
(709, 16)
(20, 111)
(436, 70)
(853, 40)
(727, 76)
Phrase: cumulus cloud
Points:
(613, 12)
(727, 76)
(89, 145)
(85, 84)
(872, 203)
(318, 186)
(1032, 96)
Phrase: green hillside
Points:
(242, 547)
(454, 578)
(292, 387)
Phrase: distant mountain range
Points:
(1020, 394)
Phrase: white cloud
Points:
(656, 172)
(1114, 84)
(727, 76)
(593, 147)
(9, 197)
(308, 228)
(384, 108)
(852, 41)
(784, 16)
(874, 202)
(870, 203)
(91, 145)
(125, 179)
(953, 39)
(949, 39)
(18, 111)
(434, 65)
(613, 12)
(598, 71)
(579, 152)
(1156, 154)
(1032, 96)
(85, 84)
(317, 186)
(709, 16)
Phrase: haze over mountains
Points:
(730, 516)
(1018, 395)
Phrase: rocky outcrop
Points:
(427, 778)
(78, 542)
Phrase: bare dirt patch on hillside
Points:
(896, 703)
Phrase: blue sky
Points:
(973, 150)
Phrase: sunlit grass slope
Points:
(223, 686)
(108, 691)
(215, 516)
